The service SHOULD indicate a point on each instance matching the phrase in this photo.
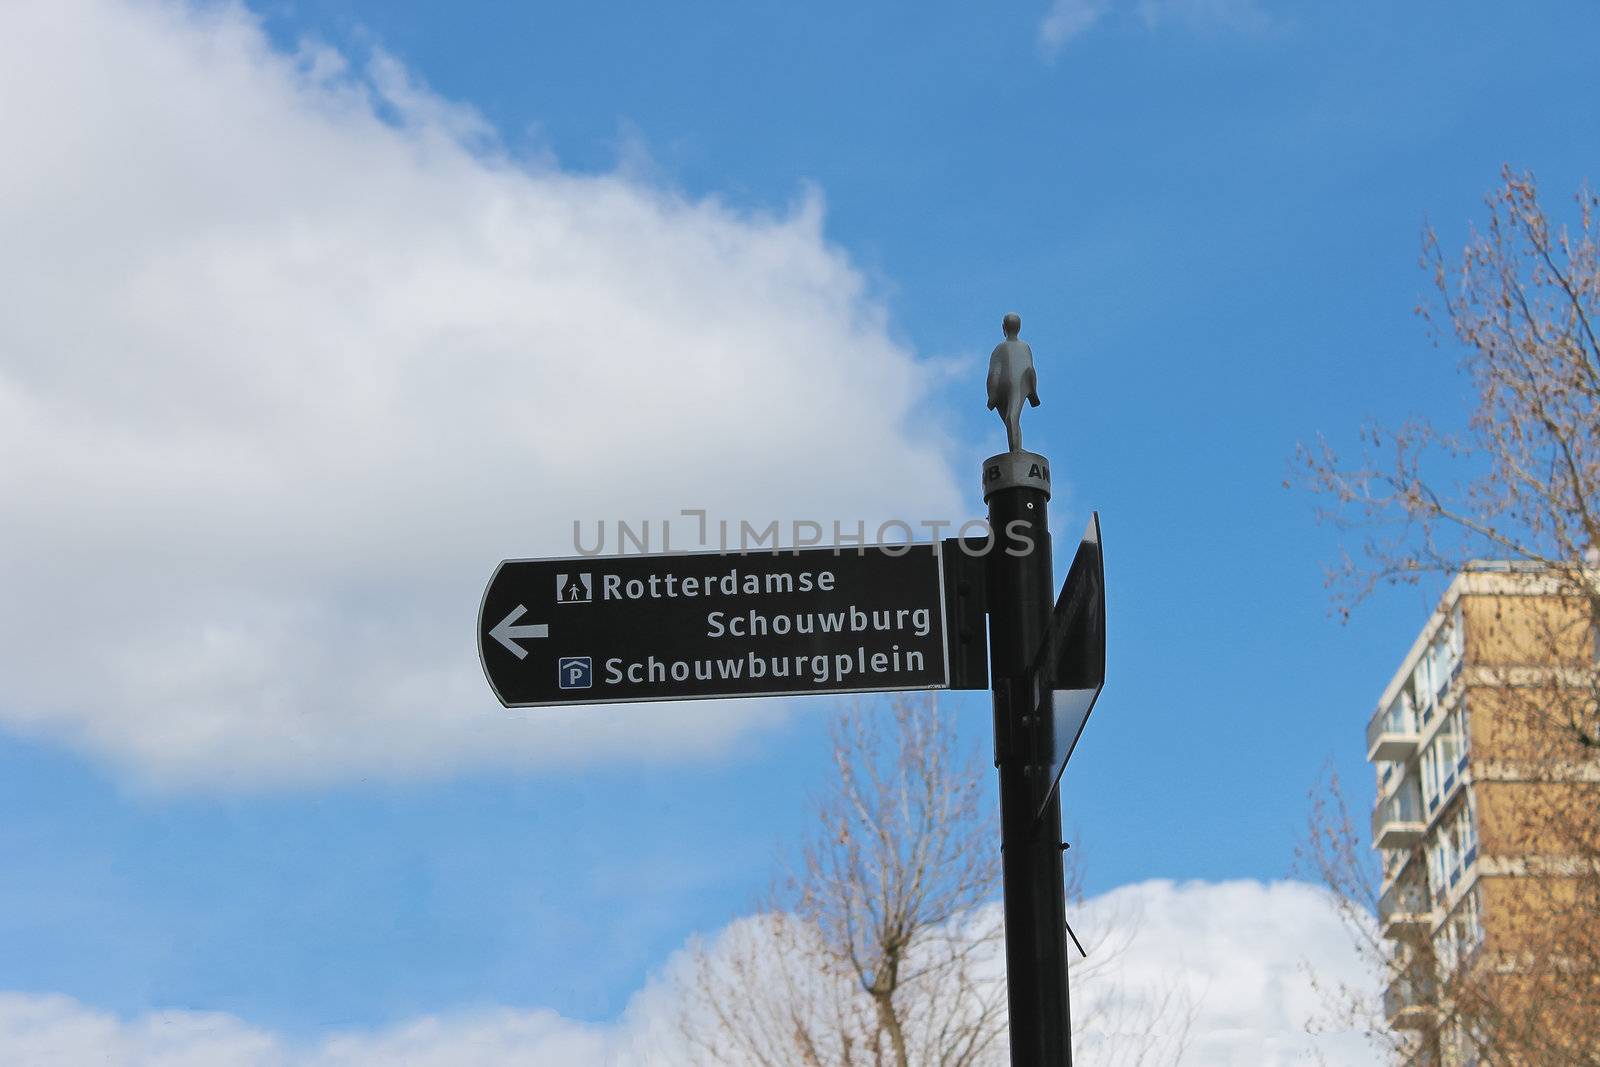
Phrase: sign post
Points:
(1017, 489)
(1016, 486)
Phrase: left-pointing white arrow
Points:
(504, 632)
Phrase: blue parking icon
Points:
(575, 672)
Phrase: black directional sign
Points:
(593, 630)
(1070, 669)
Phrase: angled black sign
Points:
(1070, 668)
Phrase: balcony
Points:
(1397, 821)
(1405, 911)
(1392, 734)
(1408, 1003)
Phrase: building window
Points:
(1430, 778)
(1442, 761)
(1473, 919)
(1440, 654)
(1449, 742)
(1440, 864)
(1422, 691)
(1453, 850)
(1460, 933)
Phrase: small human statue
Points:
(1012, 379)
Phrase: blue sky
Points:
(630, 258)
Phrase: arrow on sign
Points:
(504, 632)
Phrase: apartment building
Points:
(1488, 823)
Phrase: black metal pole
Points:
(1016, 487)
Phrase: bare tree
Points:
(1520, 484)
(1336, 853)
(1528, 992)
(885, 944)
(1523, 303)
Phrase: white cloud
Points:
(1068, 20)
(1239, 948)
(56, 1031)
(1239, 951)
(291, 354)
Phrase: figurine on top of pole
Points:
(1012, 380)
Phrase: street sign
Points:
(599, 630)
(1070, 668)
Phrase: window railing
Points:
(1405, 898)
(1407, 991)
(1399, 719)
(1395, 721)
(1404, 808)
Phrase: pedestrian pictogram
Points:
(574, 588)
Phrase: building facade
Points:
(1484, 748)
